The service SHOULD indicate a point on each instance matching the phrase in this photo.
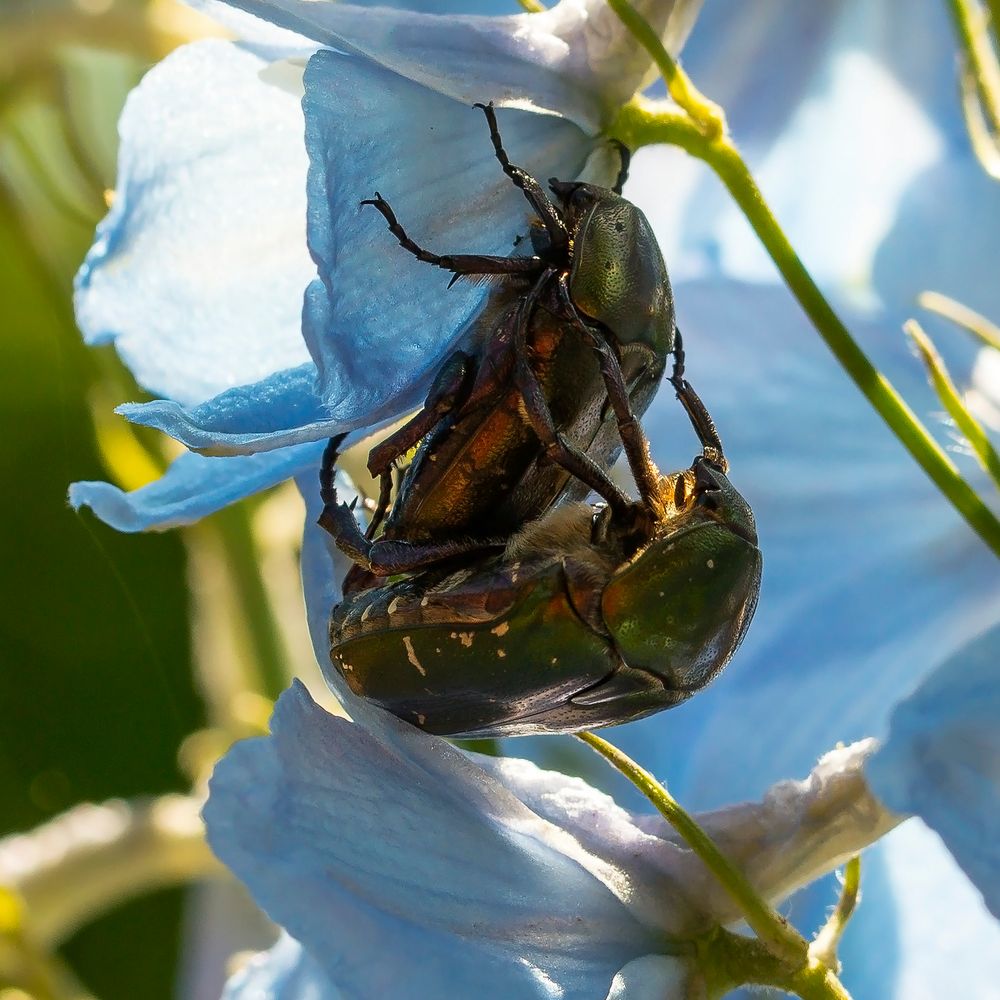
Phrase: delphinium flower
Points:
(871, 579)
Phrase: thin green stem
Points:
(977, 324)
(971, 27)
(824, 946)
(707, 115)
(643, 123)
(773, 930)
(984, 142)
(952, 401)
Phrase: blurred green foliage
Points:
(96, 688)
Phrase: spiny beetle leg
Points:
(327, 471)
(701, 419)
(337, 518)
(557, 448)
(530, 188)
(448, 390)
(646, 476)
(459, 264)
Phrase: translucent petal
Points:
(574, 60)
(281, 409)
(942, 760)
(338, 833)
(192, 488)
(197, 272)
(380, 323)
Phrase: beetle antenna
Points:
(625, 156)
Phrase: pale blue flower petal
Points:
(192, 488)
(198, 270)
(282, 409)
(379, 323)
(478, 896)
(286, 972)
(942, 760)
(575, 60)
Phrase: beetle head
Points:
(681, 606)
(617, 275)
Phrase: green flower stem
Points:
(970, 25)
(949, 395)
(781, 939)
(643, 122)
(824, 946)
(978, 325)
(707, 115)
(732, 960)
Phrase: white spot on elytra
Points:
(466, 638)
(501, 630)
(501, 653)
(710, 564)
(412, 656)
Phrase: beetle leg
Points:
(625, 155)
(701, 419)
(459, 264)
(448, 390)
(557, 448)
(387, 557)
(382, 507)
(529, 187)
(337, 518)
(645, 473)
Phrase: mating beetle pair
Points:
(523, 614)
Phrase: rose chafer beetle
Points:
(588, 618)
(569, 348)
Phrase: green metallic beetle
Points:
(584, 621)
(544, 393)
